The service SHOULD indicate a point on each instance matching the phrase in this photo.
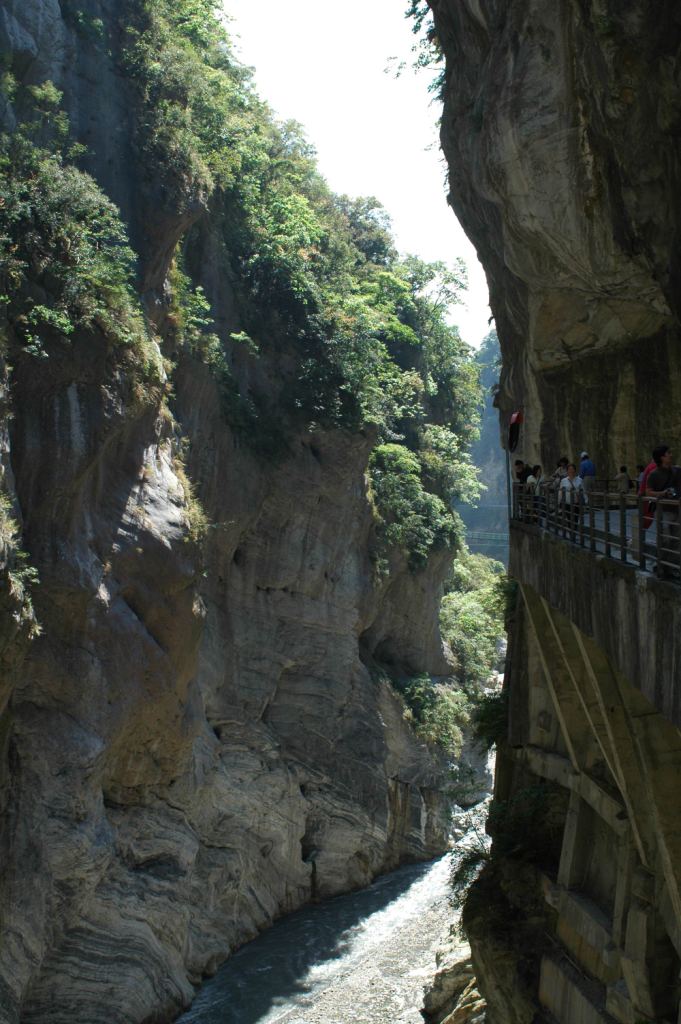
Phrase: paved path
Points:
(632, 557)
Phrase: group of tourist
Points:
(572, 486)
(659, 479)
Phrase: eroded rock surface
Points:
(561, 131)
(561, 127)
(195, 744)
(453, 997)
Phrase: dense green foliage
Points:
(437, 711)
(411, 517)
(64, 259)
(349, 334)
(16, 573)
(472, 615)
(490, 718)
(526, 829)
(472, 623)
(529, 826)
(359, 336)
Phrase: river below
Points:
(357, 959)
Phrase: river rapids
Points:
(362, 958)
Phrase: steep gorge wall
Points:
(195, 744)
(561, 128)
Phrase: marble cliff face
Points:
(194, 744)
(561, 126)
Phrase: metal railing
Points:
(638, 531)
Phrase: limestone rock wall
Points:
(580, 914)
(561, 127)
(561, 130)
(194, 745)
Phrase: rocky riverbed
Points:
(364, 958)
(358, 958)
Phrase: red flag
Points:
(514, 430)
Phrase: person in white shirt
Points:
(534, 485)
(560, 472)
(622, 481)
(571, 495)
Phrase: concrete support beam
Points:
(574, 727)
(571, 998)
(617, 893)
(627, 765)
(633, 617)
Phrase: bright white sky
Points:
(324, 65)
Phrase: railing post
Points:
(545, 507)
(659, 567)
(554, 513)
(642, 502)
(581, 524)
(543, 518)
(606, 522)
(592, 538)
(623, 527)
(553, 506)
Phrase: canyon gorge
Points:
(561, 126)
(231, 435)
(198, 733)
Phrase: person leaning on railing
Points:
(571, 496)
(640, 470)
(664, 484)
(560, 472)
(587, 474)
(534, 485)
(623, 481)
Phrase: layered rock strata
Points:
(561, 130)
(561, 126)
(195, 744)
(452, 997)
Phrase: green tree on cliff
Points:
(348, 334)
(360, 336)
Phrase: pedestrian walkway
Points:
(611, 525)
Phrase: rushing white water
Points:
(356, 959)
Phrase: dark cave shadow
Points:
(271, 968)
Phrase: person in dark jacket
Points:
(664, 484)
(587, 473)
